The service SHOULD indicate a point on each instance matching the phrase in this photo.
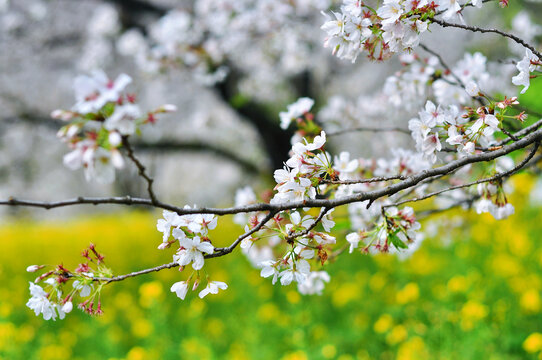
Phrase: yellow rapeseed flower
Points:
(193, 348)
(413, 349)
(238, 352)
(398, 334)
(530, 301)
(293, 297)
(150, 292)
(458, 284)
(137, 353)
(55, 352)
(214, 327)
(471, 313)
(383, 324)
(506, 265)
(297, 355)
(410, 293)
(533, 343)
(141, 327)
(345, 293)
(329, 351)
(377, 282)
(268, 312)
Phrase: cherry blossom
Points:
(192, 252)
(212, 288)
(180, 289)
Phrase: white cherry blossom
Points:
(192, 252)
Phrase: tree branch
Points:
(218, 252)
(141, 168)
(364, 181)
(495, 31)
(489, 179)
(410, 181)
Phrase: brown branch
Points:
(229, 249)
(444, 65)
(136, 273)
(364, 181)
(141, 168)
(495, 31)
(323, 213)
(218, 252)
(509, 134)
(489, 179)
(372, 195)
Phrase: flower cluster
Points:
(291, 246)
(476, 126)
(52, 301)
(493, 201)
(104, 115)
(206, 36)
(296, 237)
(526, 66)
(396, 231)
(296, 110)
(191, 231)
(307, 162)
(393, 27)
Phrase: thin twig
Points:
(489, 179)
(460, 82)
(509, 134)
(495, 31)
(229, 249)
(218, 252)
(141, 168)
(364, 181)
(444, 65)
(323, 212)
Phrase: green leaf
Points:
(396, 241)
(103, 138)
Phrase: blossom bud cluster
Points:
(53, 300)
(104, 114)
(394, 232)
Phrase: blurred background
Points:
(472, 291)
